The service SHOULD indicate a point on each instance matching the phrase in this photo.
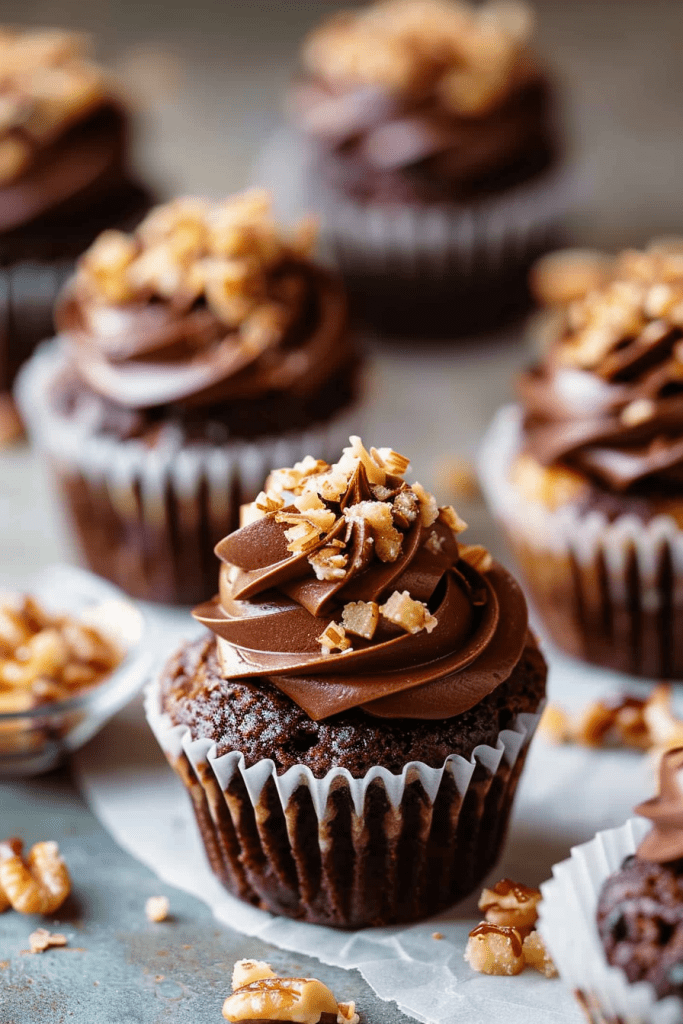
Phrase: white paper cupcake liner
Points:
(348, 851)
(149, 518)
(619, 583)
(567, 922)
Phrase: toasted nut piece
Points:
(42, 939)
(40, 884)
(665, 730)
(640, 410)
(329, 563)
(412, 616)
(15, 155)
(334, 638)
(555, 724)
(258, 994)
(267, 503)
(429, 510)
(450, 517)
(11, 426)
(495, 949)
(477, 556)
(395, 464)
(388, 540)
(361, 618)
(510, 903)
(566, 275)
(552, 486)
(537, 956)
(405, 509)
(156, 908)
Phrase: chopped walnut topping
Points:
(403, 611)
(562, 277)
(268, 503)
(156, 908)
(429, 510)
(640, 410)
(537, 956)
(296, 479)
(477, 556)
(329, 562)
(511, 903)
(495, 949)
(388, 539)
(307, 527)
(334, 638)
(450, 517)
(259, 994)
(357, 452)
(393, 463)
(405, 509)
(361, 618)
(42, 939)
(434, 543)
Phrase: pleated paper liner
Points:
(342, 851)
(609, 592)
(568, 925)
(149, 518)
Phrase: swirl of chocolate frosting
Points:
(607, 400)
(203, 304)
(63, 131)
(350, 589)
(664, 842)
(450, 95)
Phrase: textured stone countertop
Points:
(212, 76)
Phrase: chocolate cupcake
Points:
(64, 177)
(586, 475)
(192, 354)
(353, 732)
(613, 915)
(433, 158)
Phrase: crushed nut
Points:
(537, 956)
(450, 517)
(156, 908)
(552, 486)
(259, 994)
(405, 509)
(638, 411)
(391, 461)
(495, 949)
(11, 426)
(511, 903)
(625, 720)
(412, 616)
(361, 618)
(268, 503)
(42, 939)
(329, 563)
(555, 724)
(477, 556)
(564, 276)
(38, 885)
(388, 539)
(334, 638)
(429, 510)
(437, 935)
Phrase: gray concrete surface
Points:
(119, 968)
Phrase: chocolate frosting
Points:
(148, 354)
(273, 609)
(664, 842)
(607, 400)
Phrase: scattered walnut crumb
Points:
(11, 426)
(156, 908)
(259, 994)
(511, 903)
(537, 956)
(42, 939)
(437, 935)
(506, 941)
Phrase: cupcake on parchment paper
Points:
(612, 915)
(192, 354)
(586, 474)
(353, 729)
(64, 177)
(433, 156)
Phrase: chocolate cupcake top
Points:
(426, 99)
(62, 128)
(348, 587)
(640, 910)
(205, 305)
(607, 399)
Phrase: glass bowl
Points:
(36, 740)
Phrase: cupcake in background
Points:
(193, 354)
(433, 153)
(353, 728)
(64, 177)
(612, 915)
(586, 473)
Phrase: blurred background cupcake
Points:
(432, 152)
(64, 177)
(193, 355)
(586, 474)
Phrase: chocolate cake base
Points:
(389, 864)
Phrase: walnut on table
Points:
(259, 994)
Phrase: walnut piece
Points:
(156, 908)
(537, 956)
(563, 276)
(42, 939)
(495, 949)
(477, 556)
(37, 885)
(259, 994)
(412, 616)
(511, 903)
(388, 540)
(429, 510)
(334, 638)
(361, 618)
(329, 563)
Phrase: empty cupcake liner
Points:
(149, 517)
(343, 851)
(610, 592)
(567, 923)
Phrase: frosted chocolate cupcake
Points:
(64, 176)
(613, 914)
(191, 353)
(586, 474)
(432, 142)
(353, 732)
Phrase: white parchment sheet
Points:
(566, 795)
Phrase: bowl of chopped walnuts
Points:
(71, 656)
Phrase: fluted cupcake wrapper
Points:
(344, 851)
(148, 518)
(567, 922)
(610, 592)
